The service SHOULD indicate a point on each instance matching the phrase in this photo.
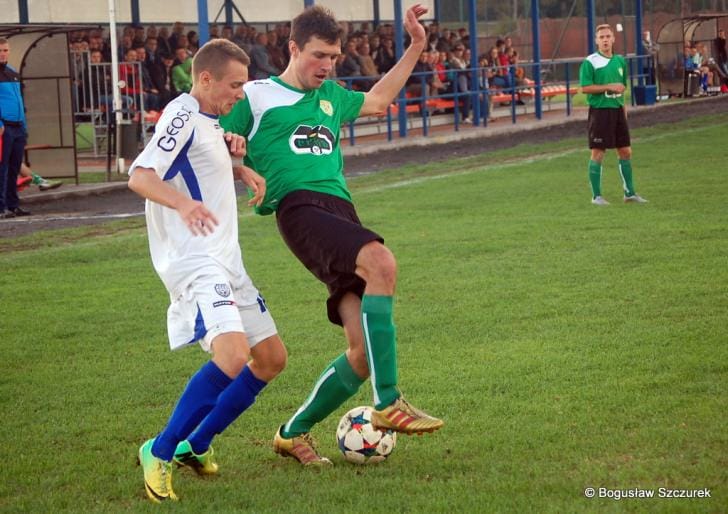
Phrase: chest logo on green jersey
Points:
(326, 107)
(621, 72)
(318, 140)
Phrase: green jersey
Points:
(293, 136)
(600, 70)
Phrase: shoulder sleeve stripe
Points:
(182, 165)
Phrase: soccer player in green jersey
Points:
(292, 126)
(603, 77)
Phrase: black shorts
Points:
(608, 128)
(325, 233)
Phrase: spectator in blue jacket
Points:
(13, 132)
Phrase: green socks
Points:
(336, 384)
(381, 347)
(625, 169)
(595, 178)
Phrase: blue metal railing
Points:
(478, 99)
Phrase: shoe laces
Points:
(309, 440)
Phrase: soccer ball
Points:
(359, 441)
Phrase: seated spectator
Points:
(163, 45)
(419, 82)
(459, 80)
(275, 52)
(260, 65)
(182, 71)
(385, 58)
(152, 95)
(441, 66)
(368, 68)
(129, 74)
(178, 29)
(497, 74)
(240, 38)
(700, 60)
(351, 67)
(193, 42)
(97, 86)
(519, 73)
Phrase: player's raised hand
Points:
(236, 144)
(255, 183)
(412, 24)
(198, 219)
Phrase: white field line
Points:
(402, 183)
(520, 162)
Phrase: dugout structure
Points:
(41, 55)
(672, 38)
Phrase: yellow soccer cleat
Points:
(203, 464)
(157, 475)
(402, 417)
(301, 447)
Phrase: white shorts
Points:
(210, 306)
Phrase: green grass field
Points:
(566, 345)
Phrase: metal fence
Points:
(93, 100)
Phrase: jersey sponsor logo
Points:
(168, 140)
(223, 290)
(621, 72)
(221, 303)
(609, 94)
(326, 107)
(318, 140)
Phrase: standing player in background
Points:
(186, 175)
(292, 124)
(603, 77)
(13, 135)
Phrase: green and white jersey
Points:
(293, 136)
(599, 70)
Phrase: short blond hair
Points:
(603, 26)
(215, 55)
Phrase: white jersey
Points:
(189, 153)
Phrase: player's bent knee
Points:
(230, 352)
(376, 264)
(269, 358)
(625, 153)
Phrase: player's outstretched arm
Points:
(255, 183)
(146, 183)
(386, 89)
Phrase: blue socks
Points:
(233, 401)
(197, 400)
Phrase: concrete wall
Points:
(166, 11)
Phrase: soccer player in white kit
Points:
(186, 175)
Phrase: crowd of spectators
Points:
(164, 58)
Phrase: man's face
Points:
(605, 40)
(141, 54)
(95, 57)
(4, 53)
(152, 45)
(314, 61)
(181, 54)
(224, 93)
